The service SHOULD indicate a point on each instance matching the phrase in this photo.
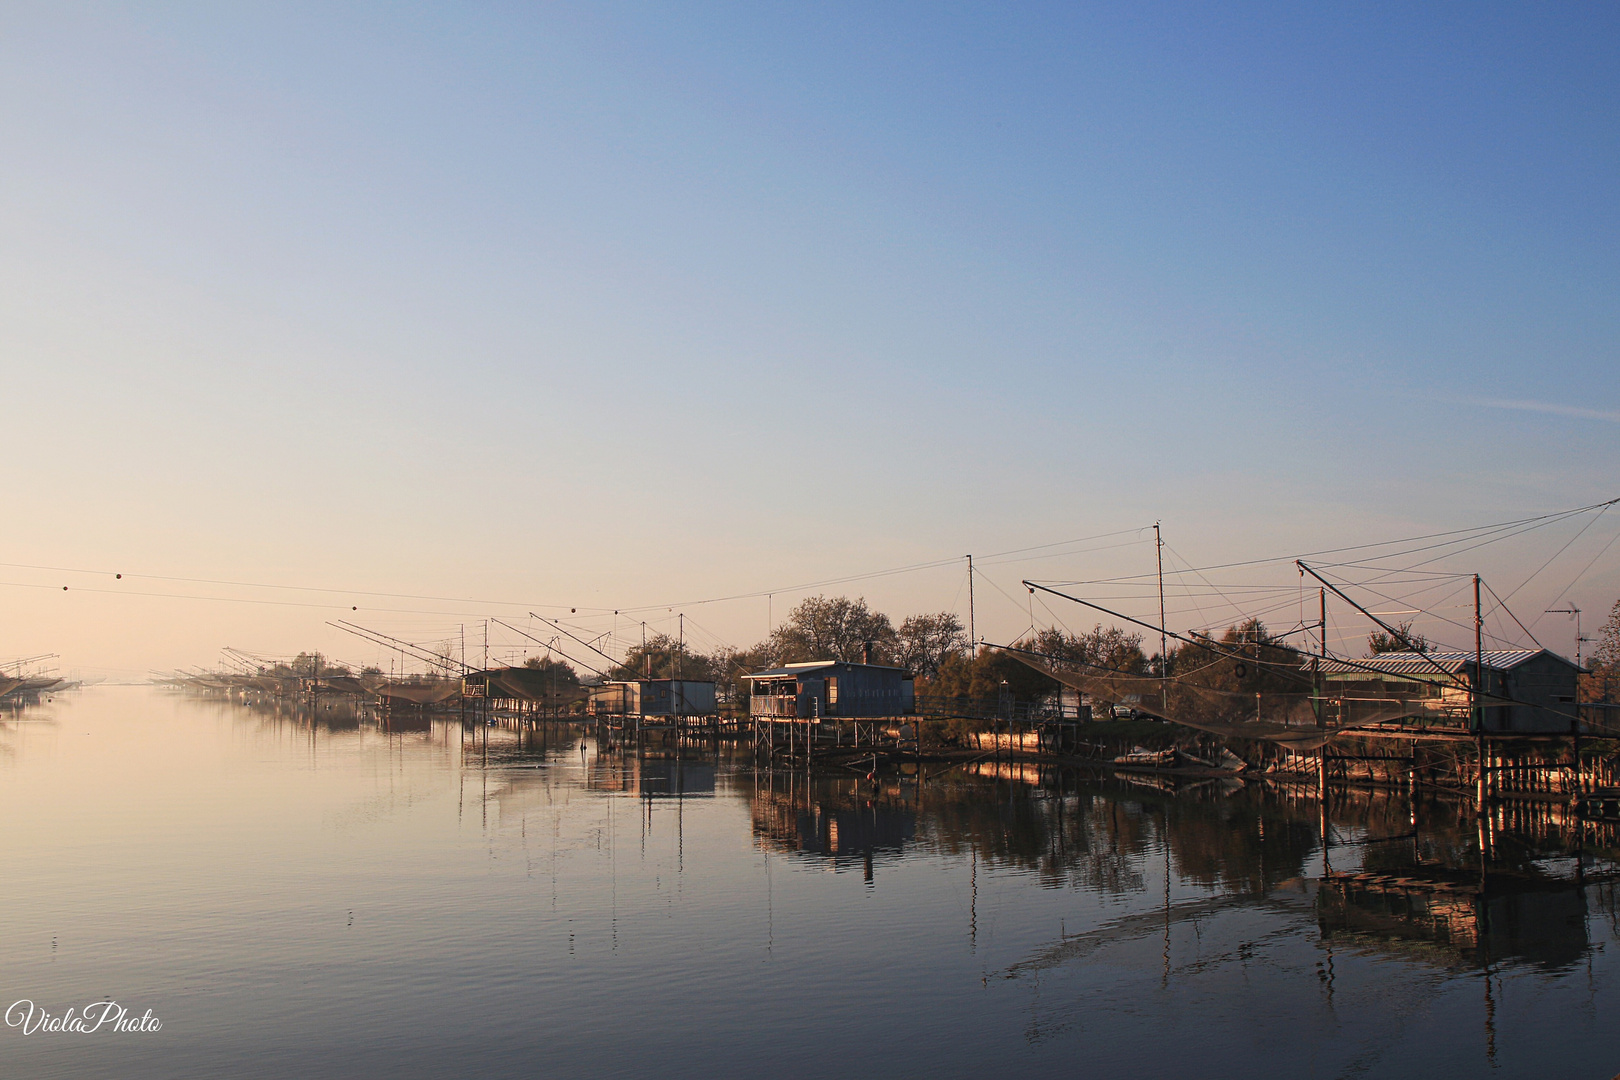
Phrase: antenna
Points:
(1579, 640)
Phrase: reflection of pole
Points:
(1411, 800)
(1490, 1019)
(973, 901)
(1165, 979)
(1322, 806)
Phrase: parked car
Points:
(1121, 711)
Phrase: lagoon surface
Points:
(314, 898)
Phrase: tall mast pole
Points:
(1164, 641)
(1575, 611)
(1479, 659)
(973, 634)
(1479, 706)
(1316, 685)
(1322, 599)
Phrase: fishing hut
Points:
(827, 699)
(530, 692)
(831, 689)
(1518, 709)
(1517, 691)
(669, 700)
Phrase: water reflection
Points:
(997, 915)
(1451, 917)
(1417, 878)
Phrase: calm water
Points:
(329, 899)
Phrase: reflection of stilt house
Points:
(830, 689)
(1540, 686)
(653, 697)
(1543, 922)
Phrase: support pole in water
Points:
(1322, 805)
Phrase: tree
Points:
(732, 666)
(306, 665)
(445, 660)
(1102, 647)
(1603, 685)
(560, 670)
(924, 641)
(1380, 641)
(837, 629)
(1246, 659)
(980, 682)
(663, 657)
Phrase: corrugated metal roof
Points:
(1412, 663)
(814, 665)
(791, 669)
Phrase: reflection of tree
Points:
(1070, 840)
(1245, 843)
(1094, 837)
(842, 818)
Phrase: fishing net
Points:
(1300, 720)
(414, 692)
(529, 684)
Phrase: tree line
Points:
(934, 649)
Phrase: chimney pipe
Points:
(866, 653)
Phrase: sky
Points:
(422, 315)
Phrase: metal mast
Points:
(973, 636)
(1164, 641)
(1575, 611)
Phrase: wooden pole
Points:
(1164, 640)
(1483, 784)
(973, 639)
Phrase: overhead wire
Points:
(1559, 552)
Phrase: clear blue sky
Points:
(613, 305)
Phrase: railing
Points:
(783, 705)
(989, 708)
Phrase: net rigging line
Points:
(486, 603)
(1464, 535)
(1562, 593)
(1559, 552)
(994, 557)
(1503, 605)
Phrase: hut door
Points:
(814, 704)
(832, 695)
